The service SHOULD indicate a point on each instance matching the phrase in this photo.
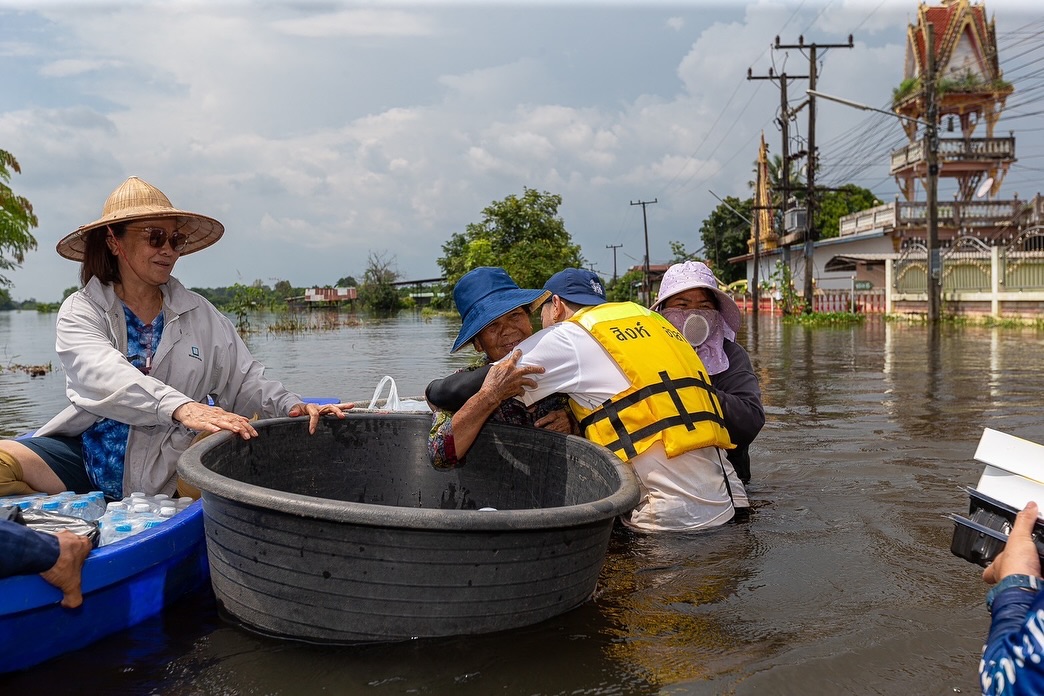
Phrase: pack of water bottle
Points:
(86, 506)
(116, 520)
(136, 513)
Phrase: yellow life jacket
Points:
(670, 399)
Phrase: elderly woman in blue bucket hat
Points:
(495, 317)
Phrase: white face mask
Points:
(704, 329)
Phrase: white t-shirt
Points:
(684, 492)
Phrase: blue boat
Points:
(124, 583)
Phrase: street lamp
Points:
(931, 191)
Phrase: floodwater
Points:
(842, 581)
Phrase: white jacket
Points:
(200, 354)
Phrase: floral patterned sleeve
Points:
(441, 451)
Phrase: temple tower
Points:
(762, 227)
(970, 90)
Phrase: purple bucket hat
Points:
(694, 274)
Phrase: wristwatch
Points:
(1025, 582)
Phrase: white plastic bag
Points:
(393, 402)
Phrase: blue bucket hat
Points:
(577, 285)
(485, 294)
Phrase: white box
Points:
(1014, 472)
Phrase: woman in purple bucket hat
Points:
(691, 300)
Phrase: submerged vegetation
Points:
(326, 320)
(984, 321)
(826, 319)
(31, 370)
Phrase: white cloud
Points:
(320, 133)
(356, 23)
(68, 68)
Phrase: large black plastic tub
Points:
(349, 535)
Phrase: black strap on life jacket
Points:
(610, 410)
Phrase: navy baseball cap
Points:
(577, 285)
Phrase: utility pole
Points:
(810, 179)
(810, 182)
(784, 126)
(646, 287)
(932, 184)
(614, 247)
(933, 288)
(755, 296)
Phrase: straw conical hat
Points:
(135, 199)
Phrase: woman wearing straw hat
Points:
(691, 300)
(494, 319)
(143, 357)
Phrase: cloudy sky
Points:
(322, 132)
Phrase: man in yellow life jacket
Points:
(638, 388)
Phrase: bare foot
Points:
(65, 573)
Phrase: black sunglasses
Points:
(158, 237)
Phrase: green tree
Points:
(16, 219)
(833, 205)
(626, 287)
(283, 289)
(782, 283)
(377, 293)
(524, 235)
(246, 300)
(347, 282)
(796, 183)
(680, 255)
(725, 234)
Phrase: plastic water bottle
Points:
(116, 513)
(133, 498)
(135, 513)
(97, 505)
(50, 504)
(114, 532)
(116, 508)
(151, 523)
(76, 507)
(183, 502)
(88, 506)
(21, 501)
(153, 501)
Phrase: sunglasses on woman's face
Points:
(157, 237)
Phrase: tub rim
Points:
(191, 468)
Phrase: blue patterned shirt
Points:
(1012, 657)
(105, 442)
